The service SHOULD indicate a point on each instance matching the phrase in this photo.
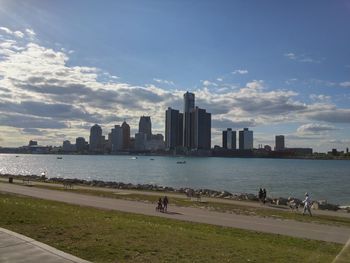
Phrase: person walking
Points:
(264, 196)
(165, 203)
(307, 204)
(260, 195)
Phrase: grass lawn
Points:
(217, 206)
(106, 236)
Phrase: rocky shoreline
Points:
(321, 204)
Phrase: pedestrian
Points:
(165, 203)
(307, 204)
(260, 195)
(264, 196)
(159, 207)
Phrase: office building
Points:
(145, 126)
(96, 139)
(246, 139)
(126, 135)
(200, 129)
(189, 100)
(173, 128)
(68, 147)
(140, 141)
(279, 143)
(229, 139)
(80, 144)
(116, 139)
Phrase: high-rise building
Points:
(246, 139)
(126, 135)
(80, 144)
(229, 139)
(140, 141)
(173, 128)
(145, 126)
(96, 139)
(200, 129)
(116, 138)
(188, 108)
(68, 147)
(279, 143)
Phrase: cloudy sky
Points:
(272, 66)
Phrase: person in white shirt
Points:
(307, 204)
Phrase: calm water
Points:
(324, 179)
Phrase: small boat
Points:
(17, 156)
(181, 162)
(59, 157)
(152, 159)
(134, 158)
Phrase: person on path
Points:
(264, 196)
(307, 204)
(160, 207)
(165, 203)
(260, 195)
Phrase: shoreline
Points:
(202, 192)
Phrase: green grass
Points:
(106, 236)
(216, 206)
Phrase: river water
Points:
(323, 179)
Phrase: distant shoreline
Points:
(337, 158)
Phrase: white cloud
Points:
(17, 33)
(345, 84)
(301, 58)
(240, 71)
(164, 81)
(315, 128)
(219, 79)
(30, 32)
(209, 83)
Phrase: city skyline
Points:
(55, 84)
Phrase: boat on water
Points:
(59, 157)
(181, 162)
(17, 156)
(152, 159)
(133, 158)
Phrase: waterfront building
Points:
(80, 144)
(200, 129)
(229, 139)
(68, 147)
(33, 143)
(126, 135)
(156, 143)
(173, 128)
(189, 102)
(116, 138)
(140, 141)
(279, 143)
(246, 139)
(145, 126)
(96, 139)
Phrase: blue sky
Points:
(279, 67)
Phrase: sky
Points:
(277, 67)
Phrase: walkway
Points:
(268, 225)
(18, 248)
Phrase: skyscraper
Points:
(145, 126)
(117, 138)
(279, 143)
(229, 139)
(173, 128)
(246, 139)
(126, 135)
(80, 144)
(188, 108)
(96, 139)
(200, 129)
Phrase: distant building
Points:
(229, 139)
(246, 139)
(145, 126)
(116, 139)
(200, 129)
(68, 147)
(126, 136)
(173, 128)
(80, 144)
(268, 148)
(279, 143)
(299, 151)
(189, 100)
(96, 139)
(140, 141)
(33, 143)
(156, 143)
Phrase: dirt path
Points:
(268, 225)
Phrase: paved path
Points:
(16, 248)
(183, 196)
(268, 225)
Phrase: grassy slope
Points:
(106, 236)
